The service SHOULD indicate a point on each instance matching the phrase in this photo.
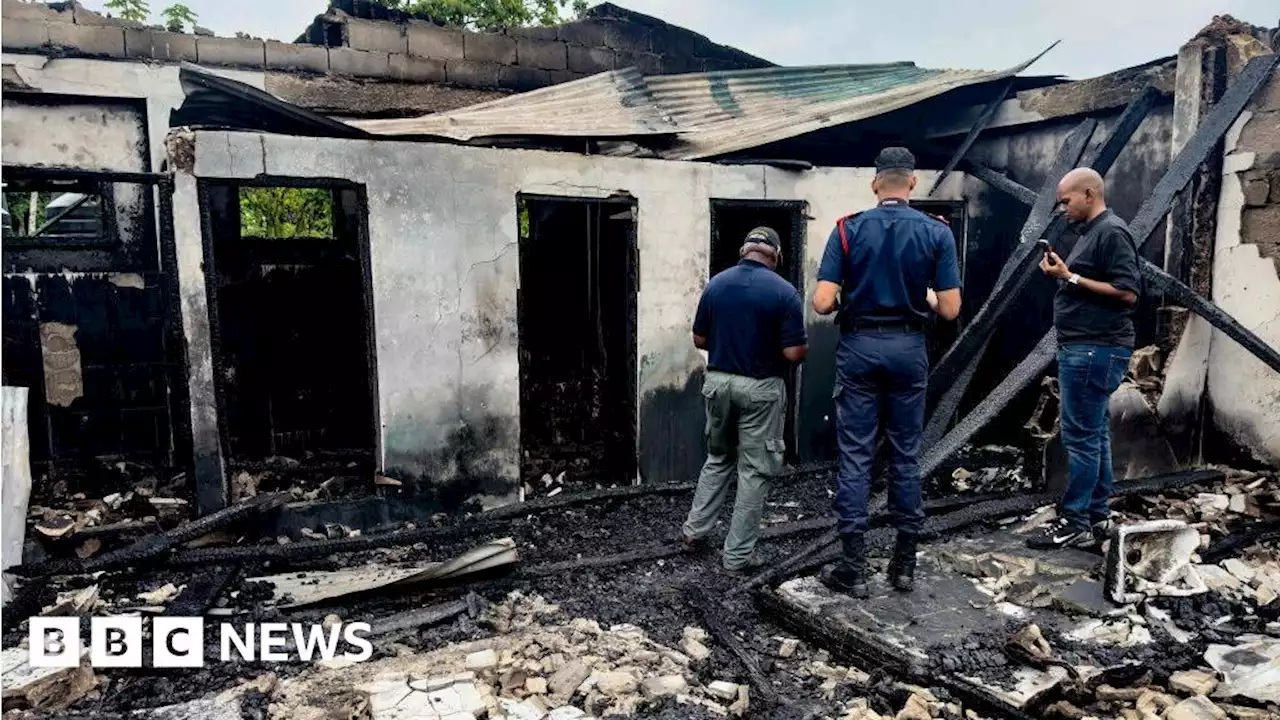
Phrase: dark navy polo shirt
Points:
(895, 254)
(748, 314)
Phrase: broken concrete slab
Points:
(1195, 708)
(1250, 669)
(1193, 682)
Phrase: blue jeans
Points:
(1087, 375)
(881, 376)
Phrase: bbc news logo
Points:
(179, 642)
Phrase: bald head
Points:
(1082, 195)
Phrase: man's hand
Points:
(1053, 266)
(931, 297)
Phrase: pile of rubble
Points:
(535, 667)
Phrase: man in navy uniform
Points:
(885, 270)
(751, 323)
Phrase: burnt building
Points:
(512, 252)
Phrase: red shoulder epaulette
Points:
(844, 238)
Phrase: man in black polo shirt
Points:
(1099, 284)
(751, 324)
(886, 269)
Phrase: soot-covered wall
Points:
(444, 236)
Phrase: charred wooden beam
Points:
(202, 592)
(154, 545)
(421, 617)
(1027, 371)
(1211, 129)
(1022, 269)
(1000, 182)
(712, 613)
(979, 125)
(945, 391)
(1179, 293)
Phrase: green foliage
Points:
(19, 204)
(178, 16)
(490, 15)
(285, 212)
(135, 10)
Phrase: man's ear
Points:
(911, 184)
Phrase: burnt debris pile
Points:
(584, 605)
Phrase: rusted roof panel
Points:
(710, 113)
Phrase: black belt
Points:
(900, 325)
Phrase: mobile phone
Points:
(1046, 248)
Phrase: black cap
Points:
(765, 236)
(895, 158)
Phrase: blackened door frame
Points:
(794, 256)
(207, 188)
(632, 338)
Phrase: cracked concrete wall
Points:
(443, 235)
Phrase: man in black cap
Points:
(751, 323)
(885, 269)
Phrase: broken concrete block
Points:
(917, 708)
(664, 685)
(1196, 708)
(567, 679)
(723, 690)
(536, 685)
(695, 649)
(615, 684)
(566, 713)
(516, 710)
(1193, 682)
(1239, 504)
(740, 706)
(1239, 570)
(481, 661)
(696, 634)
(788, 647)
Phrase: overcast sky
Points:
(1098, 36)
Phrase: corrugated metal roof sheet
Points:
(710, 113)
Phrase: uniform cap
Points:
(765, 236)
(895, 158)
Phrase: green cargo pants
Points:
(745, 421)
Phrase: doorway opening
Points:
(577, 340)
(942, 334)
(292, 330)
(731, 220)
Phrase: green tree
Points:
(490, 15)
(135, 10)
(178, 16)
(284, 212)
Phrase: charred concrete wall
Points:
(444, 232)
(1026, 153)
(85, 317)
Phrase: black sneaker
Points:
(1060, 533)
(1101, 531)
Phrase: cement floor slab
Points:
(933, 629)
